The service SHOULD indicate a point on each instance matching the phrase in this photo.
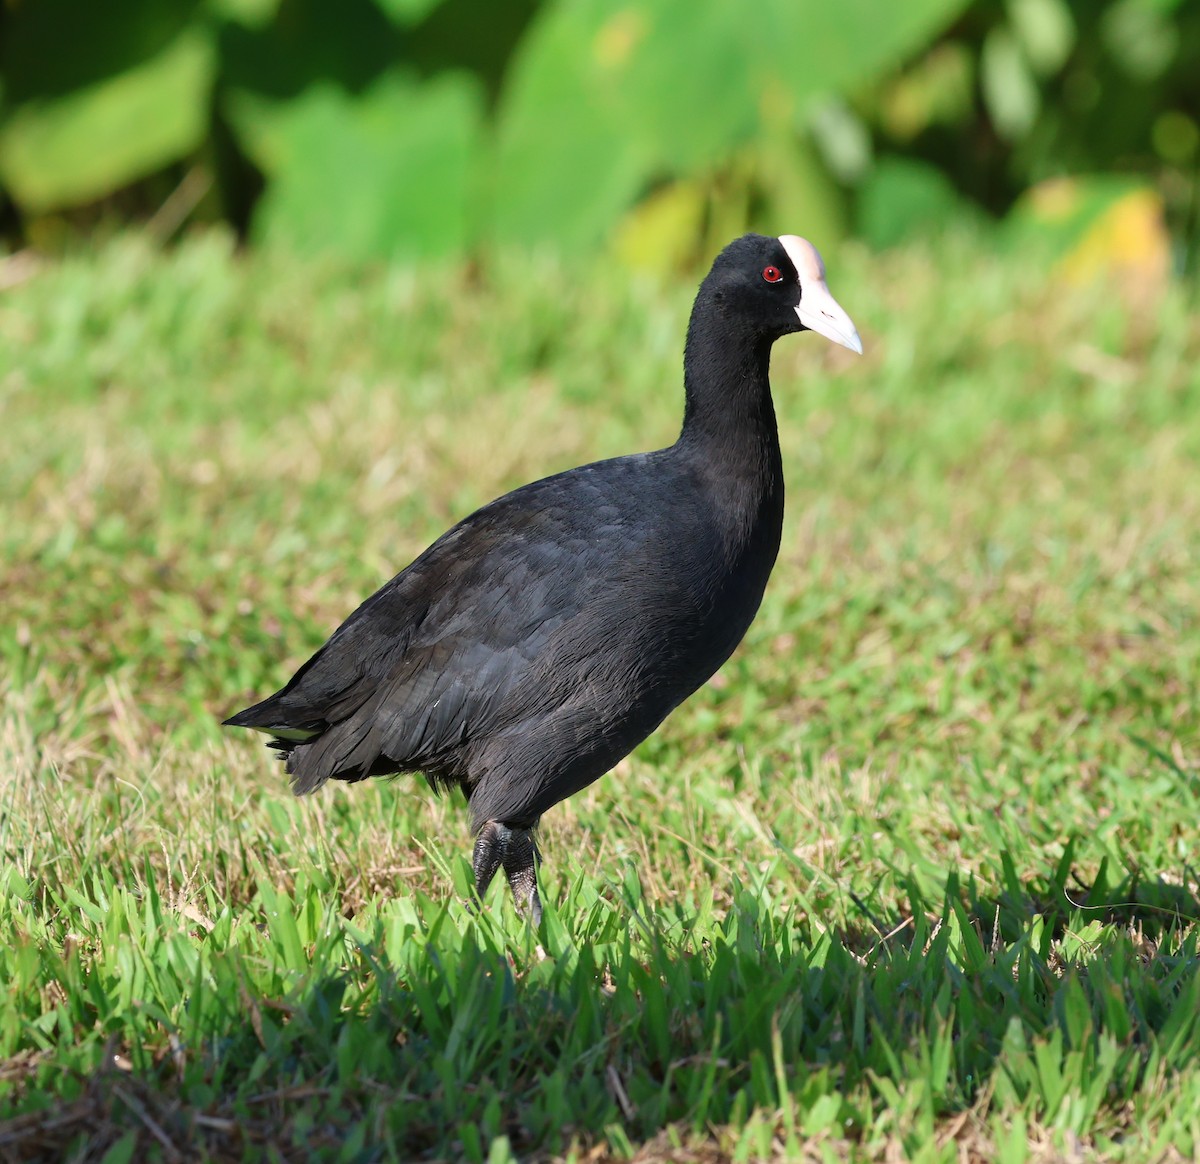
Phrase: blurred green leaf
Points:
(603, 100)
(567, 162)
(1046, 31)
(66, 150)
(798, 192)
(902, 197)
(406, 12)
(1140, 37)
(939, 89)
(1009, 89)
(252, 13)
(826, 47)
(842, 138)
(384, 173)
(660, 233)
(1175, 136)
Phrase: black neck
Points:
(728, 412)
(729, 435)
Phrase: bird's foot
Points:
(489, 853)
(515, 849)
(520, 866)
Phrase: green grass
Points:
(913, 877)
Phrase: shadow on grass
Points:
(428, 1032)
(1058, 906)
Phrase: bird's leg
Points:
(489, 853)
(515, 849)
(520, 859)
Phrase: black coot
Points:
(543, 637)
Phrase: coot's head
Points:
(777, 286)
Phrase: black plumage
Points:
(543, 637)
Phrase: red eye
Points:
(772, 274)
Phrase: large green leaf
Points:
(903, 197)
(605, 98)
(63, 150)
(566, 162)
(385, 172)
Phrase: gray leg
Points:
(497, 845)
(520, 867)
(489, 852)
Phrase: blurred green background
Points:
(657, 128)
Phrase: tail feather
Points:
(315, 751)
(271, 716)
(324, 725)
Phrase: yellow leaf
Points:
(661, 232)
(618, 37)
(1129, 239)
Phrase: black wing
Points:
(495, 625)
